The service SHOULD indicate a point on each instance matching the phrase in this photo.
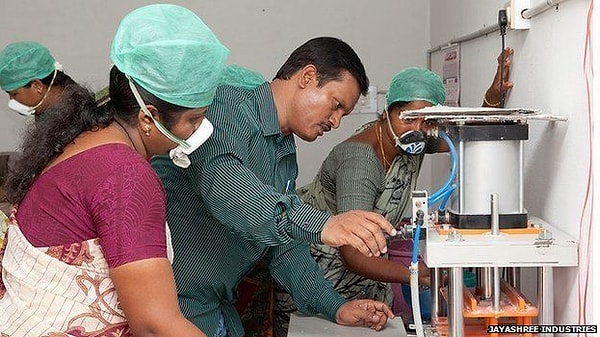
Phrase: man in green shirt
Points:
(236, 203)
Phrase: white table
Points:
(317, 326)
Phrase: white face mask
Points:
(20, 108)
(185, 147)
(25, 110)
(179, 155)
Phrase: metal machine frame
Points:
(496, 244)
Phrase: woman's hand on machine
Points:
(368, 313)
(494, 96)
(424, 275)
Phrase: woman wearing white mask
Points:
(32, 78)
(89, 216)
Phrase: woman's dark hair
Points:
(61, 80)
(46, 138)
(331, 57)
(126, 108)
(399, 104)
(76, 112)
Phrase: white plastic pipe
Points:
(526, 14)
(414, 296)
(540, 8)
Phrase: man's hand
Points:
(360, 229)
(369, 313)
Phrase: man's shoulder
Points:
(232, 103)
(231, 95)
(239, 107)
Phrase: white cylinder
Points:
(490, 167)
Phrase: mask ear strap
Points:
(158, 124)
(387, 116)
(46, 93)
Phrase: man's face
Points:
(317, 110)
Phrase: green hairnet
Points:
(22, 62)
(416, 84)
(237, 76)
(171, 53)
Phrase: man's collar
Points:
(267, 111)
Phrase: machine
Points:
(486, 229)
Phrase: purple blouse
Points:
(108, 192)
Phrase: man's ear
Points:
(38, 86)
(307, 75)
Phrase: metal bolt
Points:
(454, 236)
(545, 235)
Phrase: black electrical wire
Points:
(502, 22)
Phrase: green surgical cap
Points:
(237, 76)
(22, 62)
(416, 84)
(171, 53)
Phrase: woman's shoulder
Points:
(118, 157)
(117, 151)
(354, 149)
(352, 154)
(111, 153)
(101, 160)
(122, 170)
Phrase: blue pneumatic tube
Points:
(446, 190)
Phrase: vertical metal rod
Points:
(483, 289)
(429, 60)
(506, 275)
(521, 175)
(495, 214)
(514, 277)
(436, 301)
(545, 294)
(456, 326)
(496, 289)
(461, 177)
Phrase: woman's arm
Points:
(358, 175)
(129, 208)
(146, 291)
(380, 269)
(496, 93)
(494, 96)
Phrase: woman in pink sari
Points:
(87, 249)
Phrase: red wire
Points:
(589, 72)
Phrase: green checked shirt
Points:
(234, 206)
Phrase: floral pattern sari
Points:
(56, 291)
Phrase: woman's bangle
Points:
(490, 104)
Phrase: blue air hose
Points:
(417, 234)
(446, 197)
(448, 188)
